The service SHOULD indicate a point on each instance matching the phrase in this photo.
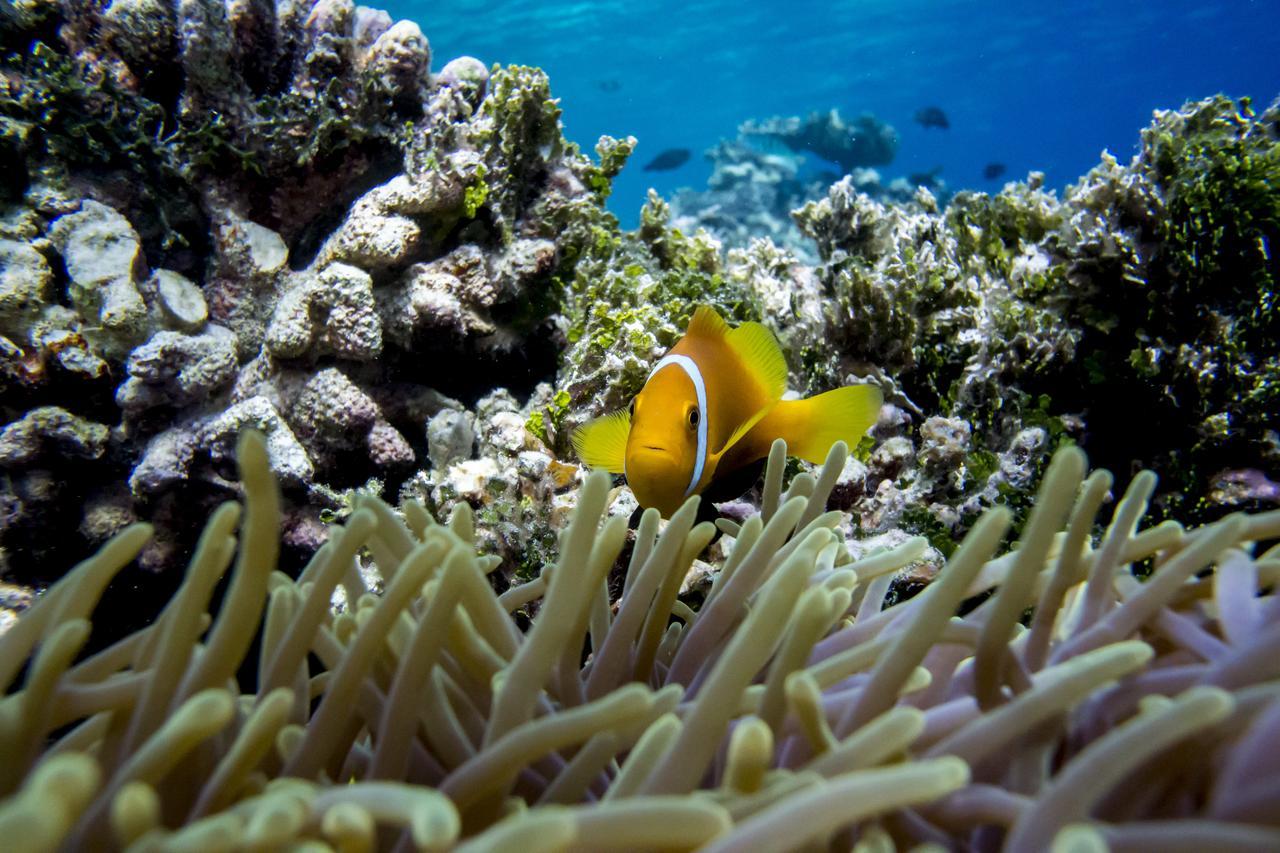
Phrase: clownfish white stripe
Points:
(700, 388)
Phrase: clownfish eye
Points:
(693, 418)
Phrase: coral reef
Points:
(266, 215)
(1039, 320)
(1173, 280)
(751, 194)
(866, 141)
(1128, 713)
(277, 216)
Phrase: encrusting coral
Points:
(793, 709)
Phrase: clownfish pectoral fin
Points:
(758, 349)
(743, 428)
(602, 442)
(812, 425)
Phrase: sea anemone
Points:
(1123, 694)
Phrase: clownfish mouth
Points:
(654, 447)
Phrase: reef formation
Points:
(268, 216)
(279, 216)
(794, 707)
(276, 220)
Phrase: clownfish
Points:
(709, 412)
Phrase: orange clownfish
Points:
(709, 412)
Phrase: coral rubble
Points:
(795, 707)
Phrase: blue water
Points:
(1036, 85)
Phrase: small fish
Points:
(991, 171)
(610, 86)
(672, 158)
(932, 117)
(709, 412)
(926, 179)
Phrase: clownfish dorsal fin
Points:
(755, 346)
(602, 442)
(706, 323)
(760, 354)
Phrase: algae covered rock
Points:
(1144, 289)
(26, 286)
(331, 312)
(175, 369)
(1171, 271)
(104, 262)
(54, 432)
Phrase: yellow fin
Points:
(844, 414)
(760, 353)
(602, 442)
(706, 322)
(743, 428)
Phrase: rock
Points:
(466, 74)
(142, 30)
(369, 25)
(451, 294)
(26, 286)
(890, 459)
(945, 443)
(471, 479)
(103, 257)
(265, 248)
(331, 410)
(331, 413)
(107, 514)
(53, 431)
(177, 369)
(165, 462)
(180, 300)
(451, 436)
(372, 238)
(328, 313)
(288, 458)
(400, 59)
(387, 447)
(850, 486)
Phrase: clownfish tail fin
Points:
(812, 425)
(602, 442)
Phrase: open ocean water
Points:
(1032, 85)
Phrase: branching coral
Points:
(793, 709)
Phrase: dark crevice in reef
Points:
(469, 376)
(359, 171)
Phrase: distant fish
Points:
(709, 413)
(672, 158)
(609, 85)
(993, 170)
(932, 117)
(925, 179)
